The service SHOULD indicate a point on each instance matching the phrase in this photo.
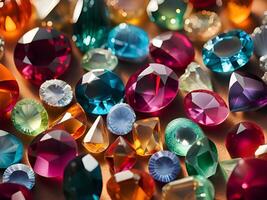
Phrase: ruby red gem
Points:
(12, 191)
(172, 49)
(244, 139)
(42, 54)
(203, 4)
(205, 107)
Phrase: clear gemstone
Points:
(259, 37)
(263, 63)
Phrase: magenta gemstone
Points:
(152, 88)
(203, 4)
(172, 49)
(248, 180)
(205, 107)
(12, 191)
(42, 54)
(244, 139)
(50, 152)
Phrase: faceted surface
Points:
(120, 119)
(164, 166)
(192, 187)
(239, 10)
(99, 90)
(205, 107)
(203, 4)
(29, 117)
(180, 134)
(9, 90)
(195, 78)
(11, 149)
(228, 52)
(120, 155)
(263, 63)
(2, 47)
(99, 59)
(96, 139)
(259, 37)
(12, 191)
(40, 64)
(151, 88)
(73, 120)
(244, 139)
(172, 49)
(147, 138)
(261, 152)
(128, 42)
(202, 158)
(246, 92)
(131, 185)
(82, 179)
(228, 166)
(50, 152)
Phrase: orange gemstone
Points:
(239, 10)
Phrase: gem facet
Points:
(152, 88)
(228, 51)
(238, 10)
(12, 191)
(228, 166)
(2, 47)
(263, 63)
(203, 4)
(261, 152)
(259, 37)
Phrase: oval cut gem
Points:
(12, 191)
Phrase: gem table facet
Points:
(238, 10)
(261, 152)
(12, 191)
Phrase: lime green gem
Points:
(29, 117)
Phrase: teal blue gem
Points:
(228, 52)
(128, 42)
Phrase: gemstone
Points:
(120, 155)
(264, 77)
(164, 166)
(99, 59)
(180, 134)
(259, 37)
(228, 52)
(244, 139)
(203, 25)
(203, 4)
(202, 158)
(264, 19)
(2, 47)
(120, 119)
(29, 117)
(263, 63)
(205, 107)
(246, 92)
(131, 185)
(56, 93)
(40, 64)
(73, 121)
(238, 10)
(147, 138)
(261, 152)
(172, 49)
(50, 152)
(9, 90)
(11, 149)
(99, 90)
(248, 180)
(228, 166)
(82, 179)
(96, 139)
(20, 174)
(195, 78)
(128, 42)
(91, 24)
(12, 191)
(192, 187)
(169, 14)
(152, 88)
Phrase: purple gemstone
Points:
(246, 92)
(12, 191)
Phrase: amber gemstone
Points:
(239, 10)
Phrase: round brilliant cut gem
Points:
(203, 4)
(12, 191)
(259, 37)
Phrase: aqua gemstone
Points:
(228, 52)
(128, 42)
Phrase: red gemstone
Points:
(12, 191)
(203, 4)
(205, 107)
(244, 139)
(42, 54)
(172, 49)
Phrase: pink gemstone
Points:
(42, 54)
(205, 107)
(152, 88)
(244, 139)
(50, 152)
(12, 191)
(172, 49)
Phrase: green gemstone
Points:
(228, 166)
(180, 134)
(29, 117)
(202, 158)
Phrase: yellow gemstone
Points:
(96, 140)
(239, 10)
(147, 136)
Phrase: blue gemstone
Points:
(99, 90)
(128, 42)
(11, 149)
(20, 174)
(164, 166)
(120, 119)
(228, 52)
